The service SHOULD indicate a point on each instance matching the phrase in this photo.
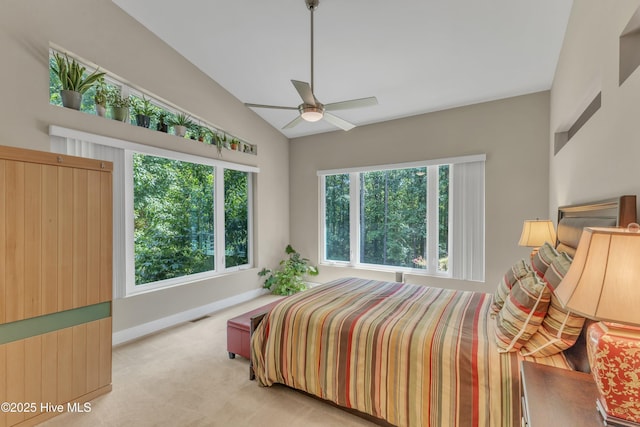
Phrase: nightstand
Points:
(558, 397)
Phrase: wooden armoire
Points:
(55, 283)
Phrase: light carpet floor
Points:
(183, 377)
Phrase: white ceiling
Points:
(415, 56)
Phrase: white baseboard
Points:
(130, 334)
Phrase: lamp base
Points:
(614, 357)
(610, 420)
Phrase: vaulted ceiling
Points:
(414, 56)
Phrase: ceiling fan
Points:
(312, 110)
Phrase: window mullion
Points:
(219, 235)
(354, 218)
(432, 219)
(129, 227)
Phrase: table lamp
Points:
(536, 232)
(603, 283)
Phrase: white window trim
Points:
(128, 288)
(147, 149)
(407, 165)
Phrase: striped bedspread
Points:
(410, 355)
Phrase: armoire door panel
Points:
(3, 373)
(65, 365)
(80, 221)
(66, 219)
(3, 244)
(33, 240)
(15, 378)
(33, 370)
(80, 350)
(14, 241)
(105, 351)
(93, 236)
(106, 238)
(93, 355)
(50, 367)
(49, 254)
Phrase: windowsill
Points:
(191, 281)
(387, 269)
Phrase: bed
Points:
(409, 355)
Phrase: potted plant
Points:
(100, 97)
(288, 279)
(196, 132)
(206, 134)
(224, 142)
(144, 110)
(234, 143)
(163, 121)
(216, 139)
(180, 123)
(119, 105)
(75, 82)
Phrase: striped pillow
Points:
(517, 271)
(543, 258)
(522, 313)
(560, 328)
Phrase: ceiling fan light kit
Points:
(311, 113)
(312, 110)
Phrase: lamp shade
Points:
(603, 282)
(536, 232)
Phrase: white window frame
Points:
(129, 288)
(432, 192)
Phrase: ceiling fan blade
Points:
(293, 122)
(269, 106)
(305, 92)
(352, 103)
(337, 121)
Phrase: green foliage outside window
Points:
(236, 217)
(173, 218)
(392, 219)
(393, 211)
(337, 213)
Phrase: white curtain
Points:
(88, 149)
(467, 222)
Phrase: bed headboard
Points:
(618, 212)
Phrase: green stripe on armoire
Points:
(34, 326)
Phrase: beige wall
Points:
(99, 31)
(601, 160)
(512, 132)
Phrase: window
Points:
(173, 218)
(236, 217)
(177, 207)
(177, 217)
(401, 217)
(112, 88)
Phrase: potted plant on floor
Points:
(288, 279)
(144, 110)
(100, 97)
(119, 105)
(74, 79)
(180, 123)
